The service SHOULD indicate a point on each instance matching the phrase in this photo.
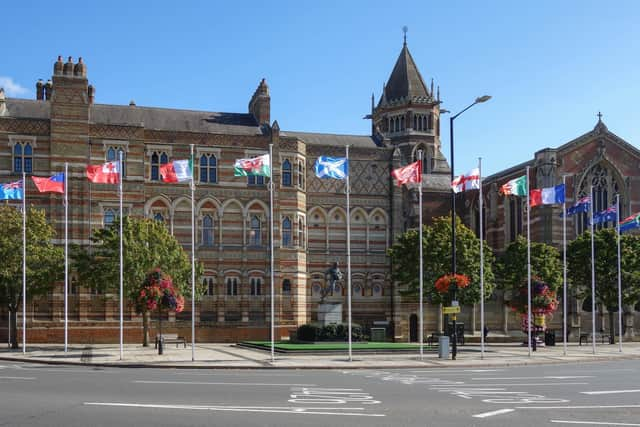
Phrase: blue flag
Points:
(332, 167)
(609, 214)
(582, 205)
(11, 191)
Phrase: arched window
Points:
(605, 188)
(158, 217)
(209, 286)
(286, 232)
(157, 159)
(256, 286)
(113, 155)
(301, 174)
(286, 173)
(207, 230)
(108, 217)
(255, 233)
(286, 287)
(22, 157)
(208, 168)
(232, 286)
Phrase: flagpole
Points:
(66, 257)
(273, 334)
(348, 191)
(24, 261)
(564, 268)
(121, 260)
(481, 260)
(193, 261)
(593, 278)
(528, 265)
(421, 274)
(619, 275)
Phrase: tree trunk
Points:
(14, 328)
(145, 328)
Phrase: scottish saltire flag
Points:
(547, 196)
(607, 215)
(11, 191)
(630, 223)
(332, 167)
(582, 205)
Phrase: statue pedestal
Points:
(329, 313)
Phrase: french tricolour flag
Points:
(547, 196)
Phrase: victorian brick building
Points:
(65, 124)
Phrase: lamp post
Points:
(479, 100)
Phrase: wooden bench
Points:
(601, 335)
(170, 339)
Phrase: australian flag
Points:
(332, 167)
(609, 214)
(582, 205)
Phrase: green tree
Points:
(511, 268)
(436, 246)
(45, 262)
(147, 245)
(606, 266)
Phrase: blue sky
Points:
(549, 65)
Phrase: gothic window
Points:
(286, 232)
(208, 168)
(207, 230)
(22, 157)
(256, 286)
(429, 124)
(209, 286)
(158, 217)
(286, 286)
(286, 173)
(108, 217)
(113, 155)
(255, 180)
(157, 159)
(605, 188)
(301, 232)
(255, 233)
(232, 286)
(402, 123)
(301, 174)
(515, 217)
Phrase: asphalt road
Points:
(604, 393)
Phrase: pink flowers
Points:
(157, 291)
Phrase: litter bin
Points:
(549, 337)
(443, 347)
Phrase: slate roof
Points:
(151, 118)
(360, 141)
(405, 82)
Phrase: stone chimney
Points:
(57, 66)
(48, 90)
(91, 92)
(80, 70)
(260, 104)
(67, 70)
(39, 90)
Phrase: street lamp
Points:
(478, 100)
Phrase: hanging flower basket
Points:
(158, 292)
(444, 282)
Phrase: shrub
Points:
(307, 333)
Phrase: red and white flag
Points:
(410, 173)
(106, 173)
(469, 181)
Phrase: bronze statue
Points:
(332, 275)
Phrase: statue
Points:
(332, 275)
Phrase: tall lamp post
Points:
(454, 349)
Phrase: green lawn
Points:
(286, 346)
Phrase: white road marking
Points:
(17, 378)
(526, 384)
(220, 383)
(579, 407)
(566, 377)
(264, 409)
(492, 413)
(595, 423)
(610, 391)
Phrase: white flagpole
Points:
(528, 265)
(273, 332)
(593, 279)
(421, 278)
(481, 260)
(619, 275)
(564, 267)
(66, 257)
(193, 260)
(348, 190)
(121, 262)
(24, 261)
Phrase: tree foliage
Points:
(45, 262)
(606, 267)
(436, 244)
(511, 268)
(147, 245)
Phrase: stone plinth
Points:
(329, 313)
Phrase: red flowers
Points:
(443, 283)
(158, 291)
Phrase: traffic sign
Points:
(451, 310)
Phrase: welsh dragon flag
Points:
(260, 166)
(515, 187)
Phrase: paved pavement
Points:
(229, 356)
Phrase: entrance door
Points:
(413, 328)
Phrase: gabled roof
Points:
(405, 82)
